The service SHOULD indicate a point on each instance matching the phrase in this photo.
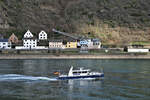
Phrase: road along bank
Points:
(74, 57)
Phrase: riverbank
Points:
(74, 56)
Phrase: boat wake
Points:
(17, 77)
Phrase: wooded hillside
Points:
(114, 21)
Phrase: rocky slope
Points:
(114, 21)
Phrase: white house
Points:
(29, 42)
(42, 35)
(28, 34)
(5, 44)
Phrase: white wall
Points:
(41, 47)
(138, 50)
(19, 47)
(24, 48)
(5, 45)
(30, 43)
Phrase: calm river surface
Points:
(34, 80)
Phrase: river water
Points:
(34, 80)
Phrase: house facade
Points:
(86, 43)
(90, 43)
(56, 45)
(42, 35)
(96, 43)
(29, 43)
(72, 44)
(13, 39)
(83, 43)
(5, 44)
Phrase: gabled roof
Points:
(3, 40)
(13, 35)
(42, 32)
(28, 34)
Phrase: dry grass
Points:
(109, 35)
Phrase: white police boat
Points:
(81, 74)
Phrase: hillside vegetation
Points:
(113, 21)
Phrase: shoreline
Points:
(3, 57)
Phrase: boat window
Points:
(75, 72)
(80, 72)
(84, 72)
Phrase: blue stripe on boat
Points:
(78, 77)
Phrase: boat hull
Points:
(81, 77)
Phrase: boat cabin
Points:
(80, 72)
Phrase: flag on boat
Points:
(56, 73)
